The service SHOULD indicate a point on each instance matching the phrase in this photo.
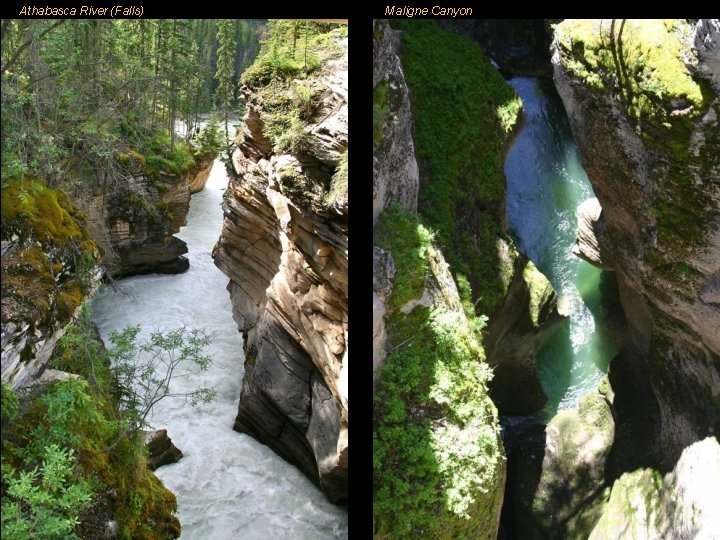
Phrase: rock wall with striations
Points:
(134, 227)
(641, 98)
(284, 247)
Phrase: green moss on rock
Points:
(463, 111)
(49, 268)
(29, 207)
(539, 289)
(642, 58)
(437, 458)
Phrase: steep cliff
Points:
(284, 248)
(641, 97)
(460, 146)
(48, 267)
(133, 222)
(431, 357)
(395, 169)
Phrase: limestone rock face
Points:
(655, 171)
(556, 471)
(682, 504)
(383, 273)
(395, 170)
(285, 251)
(135, 232)
(590, 229)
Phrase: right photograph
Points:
(546, 278)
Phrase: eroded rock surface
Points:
(590, 229)
(558, 470)
(284, 248)
(652, 159)
(395, 170)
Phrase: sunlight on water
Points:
(546, 183)
(227, 484)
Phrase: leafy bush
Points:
(44, 502)
(83, 432)
(436, 449)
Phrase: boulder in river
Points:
(589, 231)
(161, 450)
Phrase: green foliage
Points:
(83, 418)
(478, 322)
(209, 141)
(642, 58)
(53, 266)
(339, 185)
(641, 63)
(9, 402)
(94, 419)
(161, 156)
(402, 234)
(436, 449)
(463, 111)
(145, 370)
(30, 207)
(292, 49)
(44, 502)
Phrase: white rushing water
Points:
(227, 484)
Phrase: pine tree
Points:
(225, 69)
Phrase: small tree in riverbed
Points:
(144, 371)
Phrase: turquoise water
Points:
(545, 184)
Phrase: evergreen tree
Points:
(225, 67)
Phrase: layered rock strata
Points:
(135, 227)
(284, 248)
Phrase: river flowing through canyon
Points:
(545, 184)
(227, 484)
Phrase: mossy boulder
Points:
(681, 504)
(48, 267)
(557, 471)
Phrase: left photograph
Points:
(174, 278)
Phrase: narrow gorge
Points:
(124, 347)
(620, 336)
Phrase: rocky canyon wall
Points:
(284, 247)
(641, 98)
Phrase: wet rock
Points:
(161, 450)
(527, 318)
(589, 231)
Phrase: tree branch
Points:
(27, 43)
